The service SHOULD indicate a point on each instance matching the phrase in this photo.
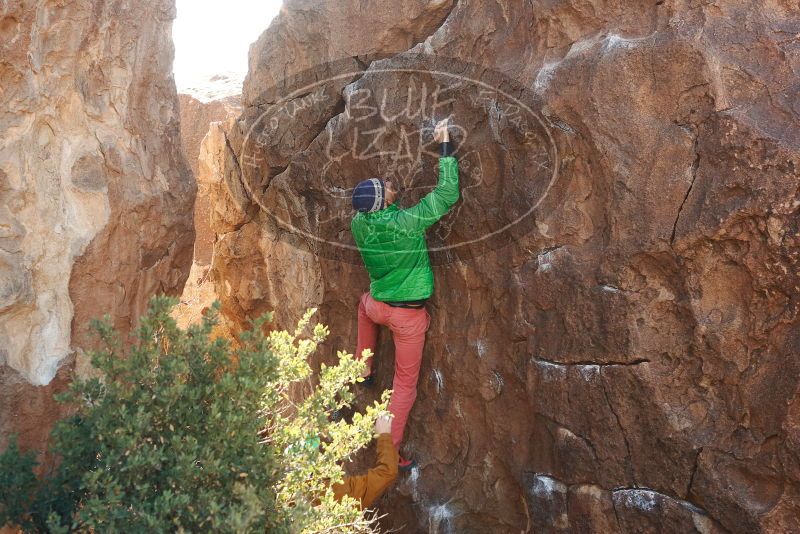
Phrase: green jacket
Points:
(392, 240)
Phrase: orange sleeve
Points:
(351, 486)
(367, 488)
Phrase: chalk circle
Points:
(443, 249)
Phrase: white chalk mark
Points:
(551, 371)
(438, 517)
(639, 499)
(588, 372)
(437, 376)
(544, 486)
(480, 345)
(544, 77)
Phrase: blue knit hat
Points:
(368, 195)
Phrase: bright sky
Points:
(213, 36)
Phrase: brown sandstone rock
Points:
(30, 411)
(196, 117)
(618, 352)
(95, 195)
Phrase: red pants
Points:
(408, 328)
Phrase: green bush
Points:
(182, 432)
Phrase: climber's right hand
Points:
(383, 424)
(440, 133)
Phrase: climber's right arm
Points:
(439, 201)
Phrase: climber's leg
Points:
(367, 331)
(408, 330)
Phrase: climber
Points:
(392, 244)
(367, 488)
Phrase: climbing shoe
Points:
(368, 381)
(405, 465)
(344, 413)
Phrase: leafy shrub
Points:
(181, 432)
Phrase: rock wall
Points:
(614, 344)
(197, 119)
(95, 194)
